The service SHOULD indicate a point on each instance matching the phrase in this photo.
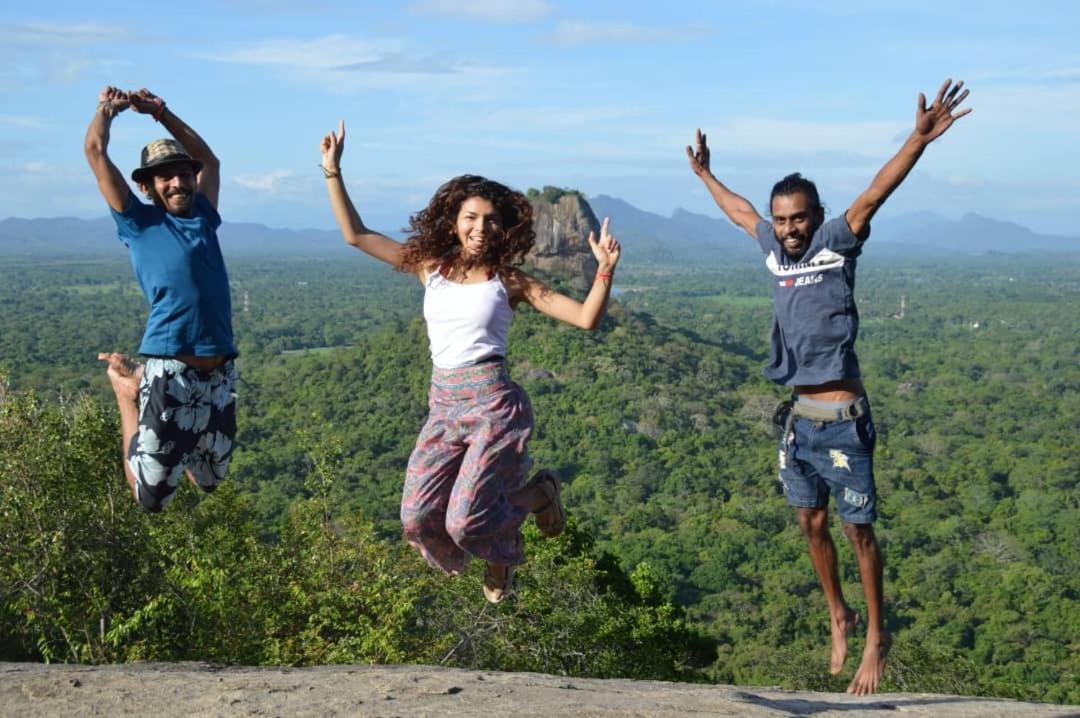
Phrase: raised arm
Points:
(738, 209)
(352, 227)
(208, 182)
(585, 315)
(930, 123)
(114, 188)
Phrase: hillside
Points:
(684, 559)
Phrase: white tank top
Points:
(466, 322)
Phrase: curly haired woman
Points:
(465, 491)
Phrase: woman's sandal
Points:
(496, 588)
(551, 517)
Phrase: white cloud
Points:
(52, 35)
(271, 182)
(68, 70)
(607, 33)
(22, 122)
(319, 53)
(400, 63)
(555, 118)
(361, 64)
(1069, 74)
(1001, 13)
(1029, 108)
(495, 11)
(341, 53)
(48, 189)
(964, 181)
(757, 134)
(56, 54)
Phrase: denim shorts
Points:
(818, 458)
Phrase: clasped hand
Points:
(142, 101)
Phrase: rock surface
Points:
(163, 690)
(561, 246)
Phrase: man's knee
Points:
(861, 536)
(813, 522)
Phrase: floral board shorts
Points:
(187, 420)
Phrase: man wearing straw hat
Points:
(178, 407)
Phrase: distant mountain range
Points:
(682, 238)
(653, 237)
(64, 236)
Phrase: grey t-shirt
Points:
(815, 321)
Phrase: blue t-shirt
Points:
(181, 271)
(815, 321)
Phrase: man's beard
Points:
(154, 196)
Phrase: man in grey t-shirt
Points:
(828, 437)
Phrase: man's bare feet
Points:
(868, 677)
(124, 373)
(841, 629)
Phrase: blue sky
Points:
(601, 96)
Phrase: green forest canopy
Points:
(658, 425)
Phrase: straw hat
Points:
(162, 152)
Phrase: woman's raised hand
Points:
(332, 146)
(607, 249)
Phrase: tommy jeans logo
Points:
(802, 281)
(822, 261)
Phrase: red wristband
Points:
(159, 111)
(604, 277)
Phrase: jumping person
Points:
(178, 409)
(827, 440)
(465, 490)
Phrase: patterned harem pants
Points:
(470, 455)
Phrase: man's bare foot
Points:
(841, 629)
(868, 677)
(124, 373)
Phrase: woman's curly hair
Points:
(433, 230)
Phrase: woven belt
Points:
(857, 408)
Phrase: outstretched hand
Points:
(115, 98)
(332, 146)
(699, 160)
(607, 249)
(931, 122)
(145, 102)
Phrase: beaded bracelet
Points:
(156, 114)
